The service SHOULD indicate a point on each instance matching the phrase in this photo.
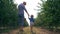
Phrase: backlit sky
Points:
(31, 5)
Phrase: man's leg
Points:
(21, 22)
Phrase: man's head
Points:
(24, 3)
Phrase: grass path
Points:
(35, 31)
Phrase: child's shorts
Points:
(31, 23)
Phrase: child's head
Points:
(32, 16)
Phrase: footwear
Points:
(21, 30)
(31, 31)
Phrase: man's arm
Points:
(26, 10)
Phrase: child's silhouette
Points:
(31, 22)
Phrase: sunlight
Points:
(31, 5)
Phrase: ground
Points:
(36, 30)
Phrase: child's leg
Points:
(31, 28)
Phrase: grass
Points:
(6, 29)
(36, 30)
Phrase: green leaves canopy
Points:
(50, 14)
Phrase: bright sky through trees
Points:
(31, 5)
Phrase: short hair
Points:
(24, 2)
(32, 16)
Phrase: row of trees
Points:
(8, 13)
(49, 17)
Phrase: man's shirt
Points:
(21, 9)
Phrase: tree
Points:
(8, 13)
(50, 15)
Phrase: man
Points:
(21, 9)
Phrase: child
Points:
(31, 22)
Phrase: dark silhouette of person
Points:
(21, 9)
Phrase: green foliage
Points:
(8, 13)
(25, 23)
(50, 15)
